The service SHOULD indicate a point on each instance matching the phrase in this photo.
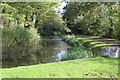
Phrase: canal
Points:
(52, 49)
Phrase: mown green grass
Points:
(93, 44)
(92, 68)
(83, 48)
(99, 37)
(89, 43)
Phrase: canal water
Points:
(52, 50)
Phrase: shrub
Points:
(72, 41)
(78, 53)
(19, 43)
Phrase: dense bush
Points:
(78, 53)
(72, 41)
(19, 43)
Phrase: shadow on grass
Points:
(95, 44)
(116, 45)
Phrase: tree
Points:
(90, 18)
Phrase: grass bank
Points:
(92, 68)
(77, 41)
(99, 37)
(92, 46)
(78, 53)
(95, 46)
(83, 48)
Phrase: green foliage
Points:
(78, 53)
(53, 26)
(19, 43)
(42, 16)
(98, 19)
(71, 40)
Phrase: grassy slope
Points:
(92, 68)
(98, 37)
(93, 44)
(96, 46)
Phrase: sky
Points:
(60, 8)
(63, 4)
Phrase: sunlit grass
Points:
(89, 43)
(99, 37)
(92, 68)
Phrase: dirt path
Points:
(114, 43)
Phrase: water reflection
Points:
(61, 54)
(52, 50)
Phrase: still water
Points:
(52, 49)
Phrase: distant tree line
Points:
(93, 18)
